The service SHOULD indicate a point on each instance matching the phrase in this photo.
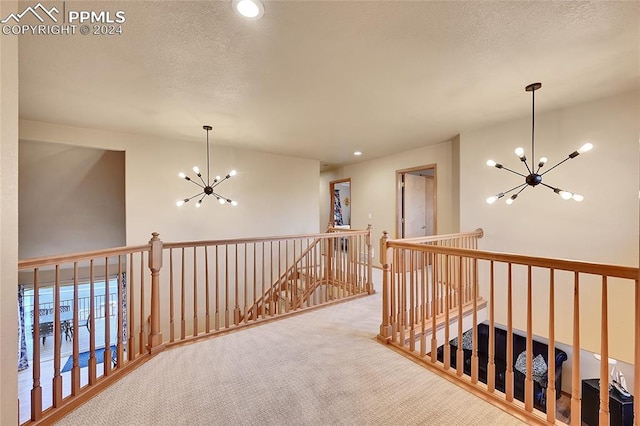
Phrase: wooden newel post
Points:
(155, 264)
(370, 288)
(385, 327)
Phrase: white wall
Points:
(89, 190)
(373, 189)
(8, 222)
(603, 228)
(276, 194)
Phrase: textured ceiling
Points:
(322, 79)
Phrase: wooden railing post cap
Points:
(385, 235)
(369, 227)
(155, 255)
(481, 232)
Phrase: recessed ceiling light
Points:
(357, 153)
(248, 9)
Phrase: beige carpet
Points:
(320, 368)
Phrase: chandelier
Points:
(207, 187)
(534, 178)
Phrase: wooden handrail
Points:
(202, 243)
(37, 262)
(435, 238)
(616, 271)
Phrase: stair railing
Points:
(215, 286)
(413, 271)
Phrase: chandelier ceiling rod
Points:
(207, 186)
(534, 178)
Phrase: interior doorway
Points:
(416, 202)
(340, 202)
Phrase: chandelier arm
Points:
(220, 181)
(523, 188)
(566, 159)
(514, 188)
(548, 186)
(194, 196)
(512, 171)
(196, 183)
(218, 196)
(203, 182)
(527, 166)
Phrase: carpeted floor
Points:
(320, 368)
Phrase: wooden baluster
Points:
(255, 279)
(271, 282)
(75, 369)
(143, 320)
(474, 333)
(92, 327)
(491, 368)
(576, 418)
(57, 378)
(395, 291)
(287, 277)
(236, 310)
(369, 263)
(207, 298)
(183, 299)
(447, 348)
(313, 276)
(426, 312)
(402, 298)
(263, 284)
(195, 291)
(528, 381)
(509, 376)
(424, 297)
(36, 389)
(107, 321)
(131, 308)
(226, 286)
(604, 357)
(172, 331)
(279, 286)
(551, 356)
(246, 288)
(435, 270)
(385, 326)
(460, 352)
(412, 302)
(216, 321)
(440, 268)
(119, 344)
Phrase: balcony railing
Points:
(194, 290)
(420, 278)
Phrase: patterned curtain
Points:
(337, 208)
(23, 361)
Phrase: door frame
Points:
(332, 186)
(400, 195)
